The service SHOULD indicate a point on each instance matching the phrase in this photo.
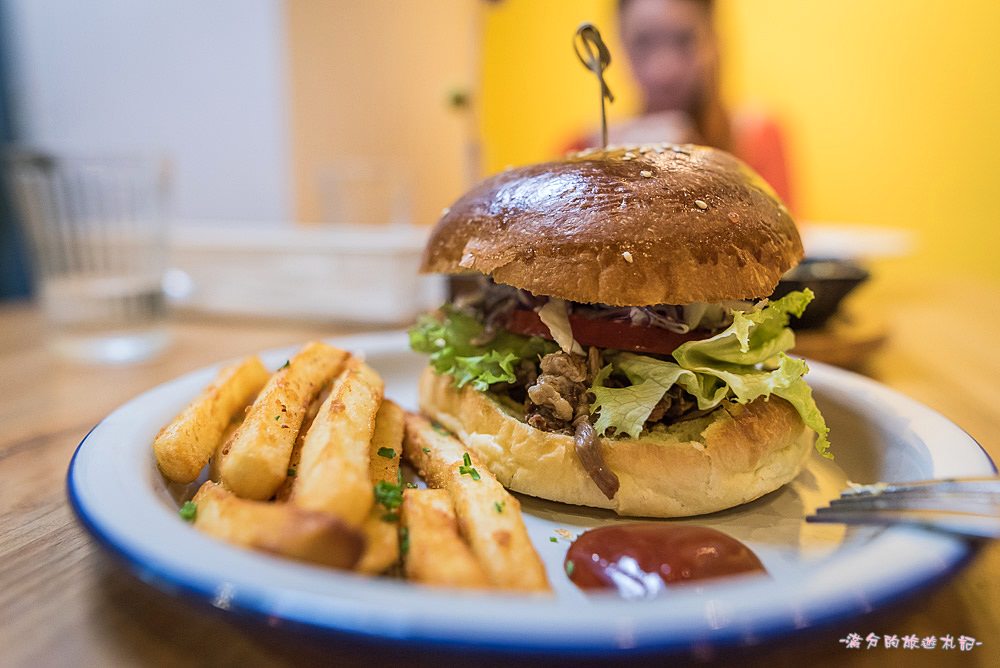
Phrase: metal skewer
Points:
(594, 54)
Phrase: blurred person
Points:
(673, 53)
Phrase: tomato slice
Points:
(617, 334)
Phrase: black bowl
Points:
(830, 280)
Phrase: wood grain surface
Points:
(64, 601)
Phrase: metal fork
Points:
(964, 506)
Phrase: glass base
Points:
(112, 347)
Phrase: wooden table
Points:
(64, 601)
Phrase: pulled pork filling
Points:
(554, 390)
(560, 395)
(559, 400)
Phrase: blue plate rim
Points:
(167, 580)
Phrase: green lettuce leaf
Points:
(799, 394)
(728, 366)
(447, 338)
(754, 337)
(627, 408)
(639, 368)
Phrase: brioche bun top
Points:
(624, 226)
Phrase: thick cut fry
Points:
(489, 517)
(381, 543)
(382, 526)
(279, 528)
(215, 463)
(255, 461)
(387, 443)
(184, 446)
(437, 555)
(333, 472)
(285, 490)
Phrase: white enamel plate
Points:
(818, 574)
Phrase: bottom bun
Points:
(731, 456)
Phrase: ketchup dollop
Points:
(640, 560)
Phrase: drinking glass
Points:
(97, 230)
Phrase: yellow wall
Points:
(371, 79)
(892, 109)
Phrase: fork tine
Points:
(965, 524)
(972, 485)
(978, 503)
(964, 506)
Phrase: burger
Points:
(619, 350)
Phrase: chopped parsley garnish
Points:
(277, 417)
(569, 568)
(499, 505)
(466, 468)
(388, 453)
(441, 430)
(292, 471)
(188, 511)
(553, 539)
(388, 495)
(404, 540)
(285, 365)
(427, 451)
